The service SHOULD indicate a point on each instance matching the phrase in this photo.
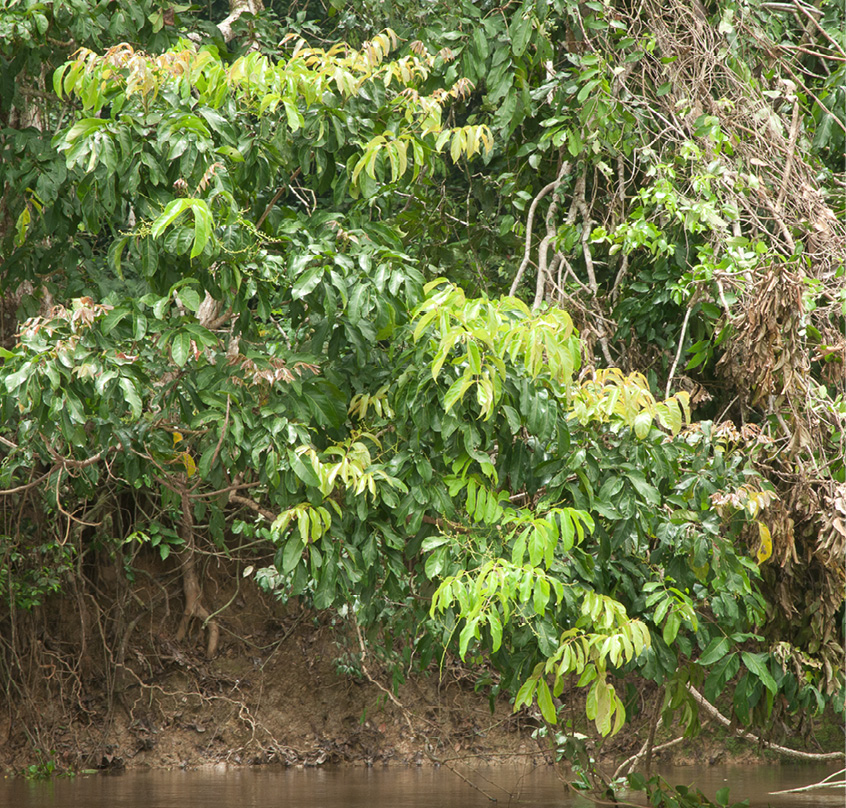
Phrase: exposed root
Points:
(194, 607)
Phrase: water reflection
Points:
(387, 788)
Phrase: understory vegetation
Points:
(512, 332)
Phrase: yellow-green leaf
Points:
(545, 703)
(765, 548)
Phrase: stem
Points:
(690, 306)
(650, 741)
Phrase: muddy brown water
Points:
(387, 788)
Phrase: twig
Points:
(457, 773)
(587, 221)
(794, 134)
(544, 247)
(542, 271)
(276, 197)
(628, 765)
(70, 516)
(725, 410)
(614, 803)
(650, 741)
(378, 684)
(690, 306)
(191, 586)
(222, 431)
(825, 57)
(805, 89)
(822, 30)
(26, 487)
(219, 491)
(621, 274)
(571, 272)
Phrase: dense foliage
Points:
(264, 290)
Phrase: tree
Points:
(235, 335)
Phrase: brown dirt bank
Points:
(106, 686)
(99, 682)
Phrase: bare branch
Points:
(742, 733)
(813, 19)
(237, 8)
(551, 186)
(693, 301)
(253, 506)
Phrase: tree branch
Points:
(253, 506)
(551, 186)
(237, 8)
(742, 733)
(679, 350)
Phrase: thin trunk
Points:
(191, 584)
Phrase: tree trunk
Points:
(191, 585)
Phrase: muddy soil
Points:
(98, 691)
(103, 687)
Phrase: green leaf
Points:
(303, 469)
(496, 630)
(540, 596)
(756, 663)
(724, 670)
(172, 211)
(467, 634)
(537, 547)
(16, 379)
(545, 703)
(116, 253)
(190, 298)
(587, 89)
(518, 552)
(610, 488)
(292, 115)
(574, 142)
(435, 563)
(424, 321)
(130, 395)
(22, 226)
(662, 609)
(603, 693)
(180, 348)
(307, 282)
(525, 693)
(642, 424)
(293, 552)
(456, 391)
(203, 224)
(671, 627)
(521, 31)
(433, 542)
(647, 491)
(716, 650)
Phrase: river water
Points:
(388, 788)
